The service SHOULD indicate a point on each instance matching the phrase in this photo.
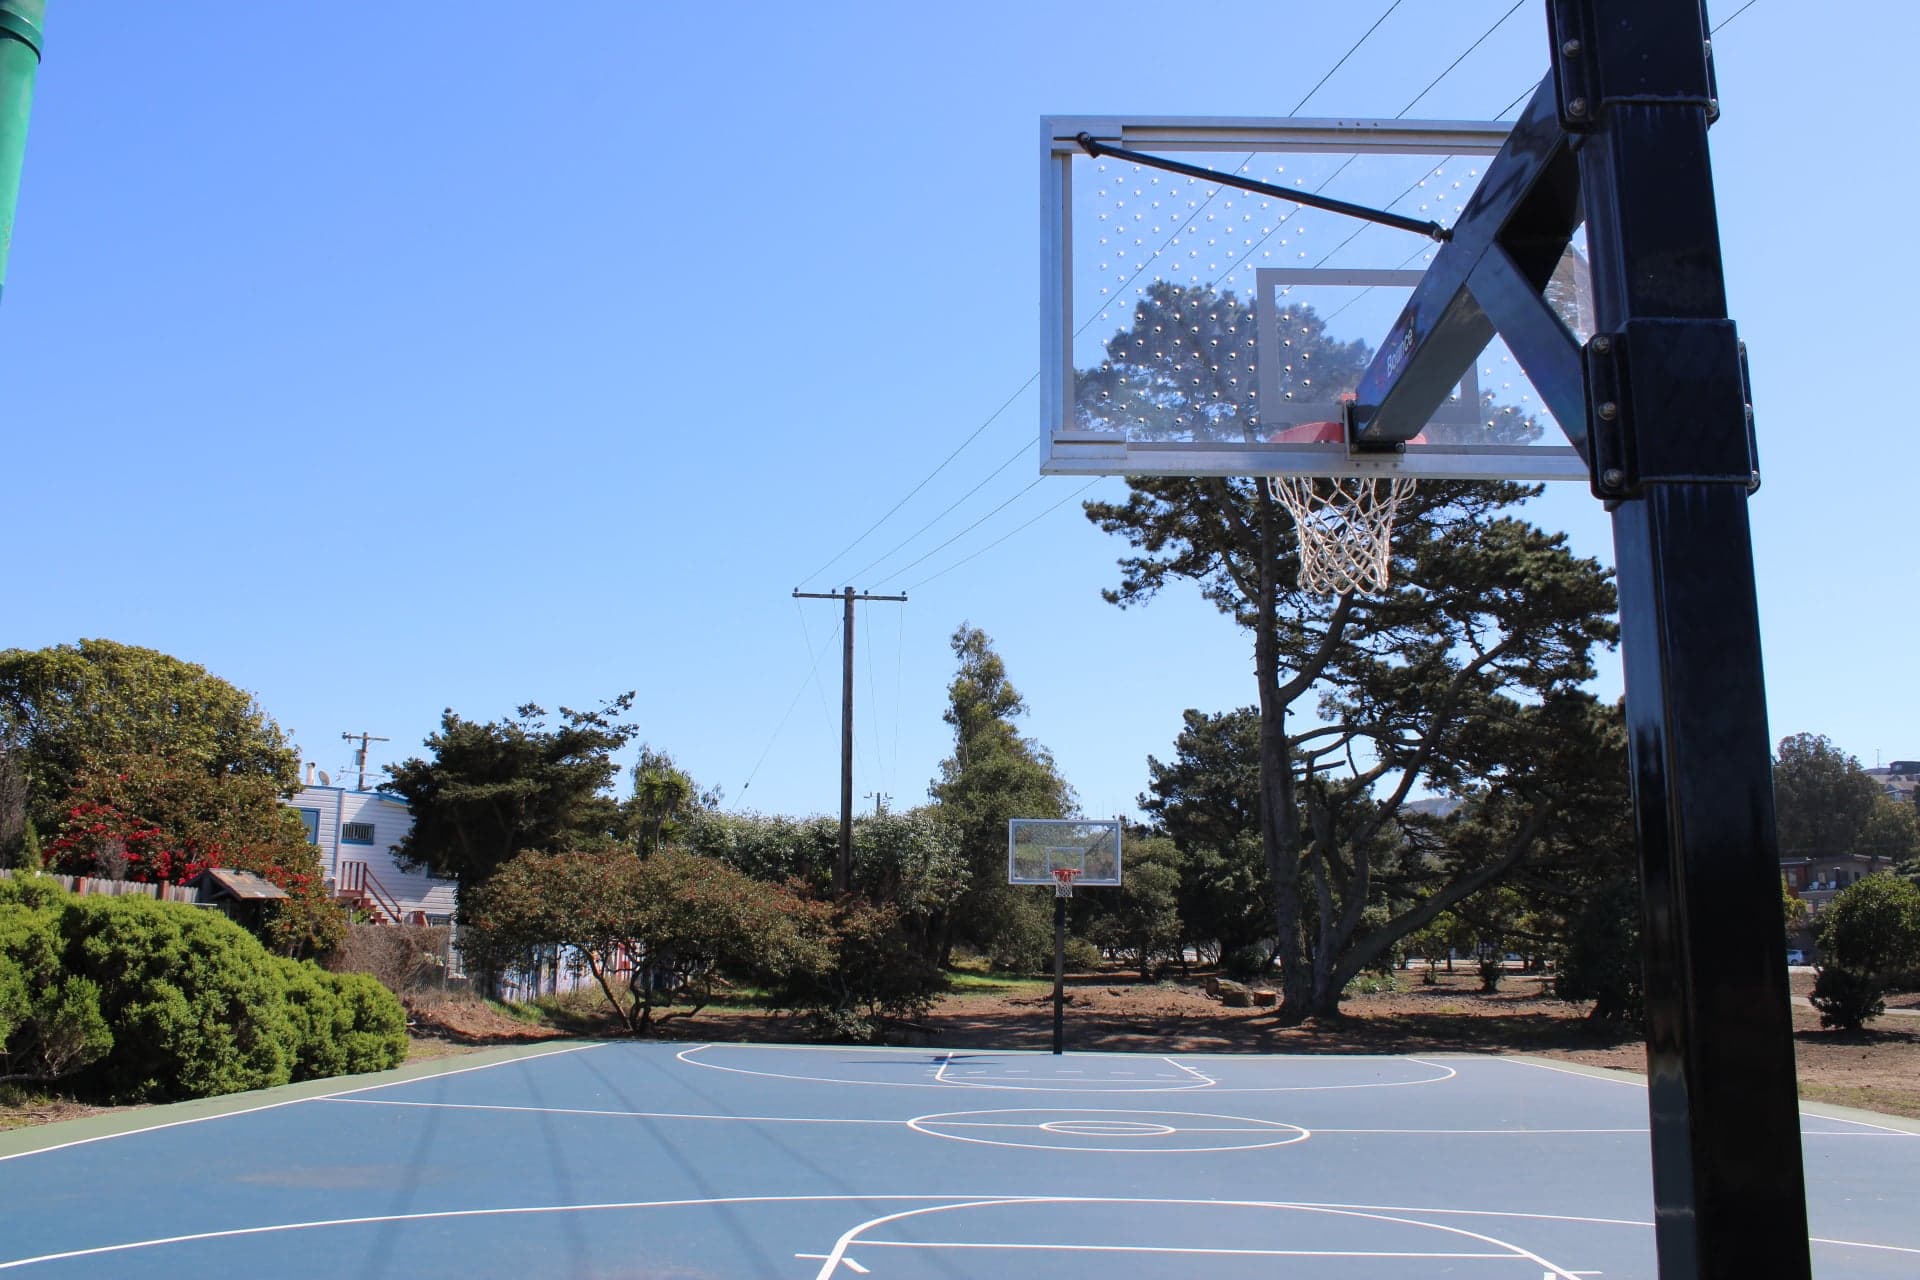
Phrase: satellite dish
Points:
(325, 781)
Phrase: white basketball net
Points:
(1345, 527)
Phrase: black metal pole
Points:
(1059, 975)
(1673, 454)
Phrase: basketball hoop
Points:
(1345, 523)
(1063, 878)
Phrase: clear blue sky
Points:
(482, 354)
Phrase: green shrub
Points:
(194, 1002)
(1846, 998)
(1371, 983)
(864, 972)
(1869, 939)
(1082, 955)
(375, 1035)
(344, 1023)
(318, 1018)
(1022, 937)
(1600, 959)
(1250, 963)
(50, 1021)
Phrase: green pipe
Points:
(20, 23)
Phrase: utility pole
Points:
(20, 22)
(843, 868)
(360, 756)
(879, 799)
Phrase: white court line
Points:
(1516, 1252)
(1605, 1222)
(1639, 1082)
(1157, 1248)
(702, 1202)
(1198, 1075)
(942, 1080)
(289, 1102)
(587, 1111)
(1279, 1132)
(1253, 1126)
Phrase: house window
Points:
(356, 833)
(310, 819)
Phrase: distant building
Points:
(1899, 780)
(356, 832)
(1815, 881)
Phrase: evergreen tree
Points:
(488, 791)
(994, 775)
(1461, 678)
(1823, 799)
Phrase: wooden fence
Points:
(100, 886)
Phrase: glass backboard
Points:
(1037, 847)
(1189, 328)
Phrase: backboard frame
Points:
(1066, 448)
(1074, 839)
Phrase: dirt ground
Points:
(1876, 1070)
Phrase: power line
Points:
(1348, 54)
(991, 419)
(970, 528)
(1003, 537)
(889, 554)
(1348, 163)
(813, 677)
(1021, 390)
(1730, 17)
(1498, 23)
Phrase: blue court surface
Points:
(673, 1160)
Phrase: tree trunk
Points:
(1279, 831)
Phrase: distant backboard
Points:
(1037, 847)
(1185, 324)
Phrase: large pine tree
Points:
(993, 775)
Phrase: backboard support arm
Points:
(1293, 195)
(1490, 277)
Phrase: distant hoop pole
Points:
(1062, 892)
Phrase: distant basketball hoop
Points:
(1063, 878)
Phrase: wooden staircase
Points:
(359, 888)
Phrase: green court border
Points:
(113, 1124)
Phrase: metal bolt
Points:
(1706, 46)
(1571, 48)
(1578, 107)
(1748, 409)
(1753, 482)
(1609, 410)
(1602, 344)
(1613, 478)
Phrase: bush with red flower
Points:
(154, 820)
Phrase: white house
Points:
(356, 832)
